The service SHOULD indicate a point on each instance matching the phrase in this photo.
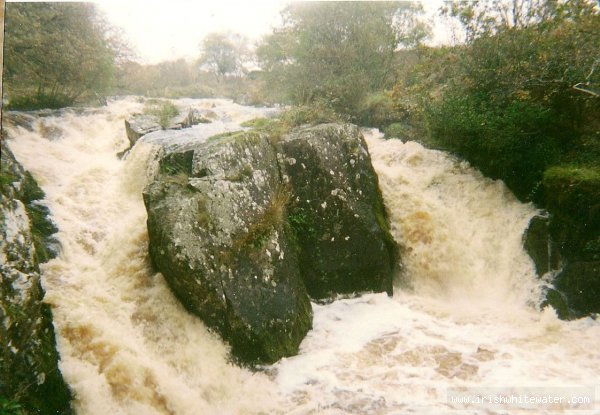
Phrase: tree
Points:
(223, 54)
(338, 51)
(54, 53)
(514, 105)
(479, 18)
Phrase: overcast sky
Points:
(170, 29)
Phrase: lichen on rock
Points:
(337, 211)
(29, 373)
(219, 234)
(244, 230)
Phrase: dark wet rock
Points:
(209, 114)
(219, 234)
(539, 245)
(575, 281)
(579, 284)
(337, 211)
(240, 231)
(568, 242)
(192, 117)
(558, 301)
(574, 203)
(29, 373)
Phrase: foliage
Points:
(302, 222)
(337, 52)
(223, 54)
(510, 107)
(275, 128)
(181, 78)
(258, 123)
(270, 220)
(515, 143)
(573, 174)
(398, 130)
(484, 18)
(8, 407)
(55, 53)
(378, 110)
(316, 113)
(164, 110)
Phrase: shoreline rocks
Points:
(29, 373)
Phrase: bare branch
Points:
(581, 87)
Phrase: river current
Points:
(465, 316)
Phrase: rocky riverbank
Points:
(29, 375)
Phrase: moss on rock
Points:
(30, 380)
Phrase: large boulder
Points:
(138, 125)
(29, 373)
(242, 225)
(337, 211)
(219, 234)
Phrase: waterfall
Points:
(127, 345)
(465, 311)
(461, 233)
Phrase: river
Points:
(465, 313)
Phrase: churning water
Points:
(465, 311)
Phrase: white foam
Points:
(127, 345)
(465, 310)
(466, 314)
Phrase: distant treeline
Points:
(518, 95)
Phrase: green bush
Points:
(572, 173)
(377, 110)
(275, 128)
(8, 407)
(317, 113)
(258, 123)
(38, 101)
(398, 130)
(515, 143)
(165, 111)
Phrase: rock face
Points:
(29, 374)
(574, 205)
(337, 211)
(139, 125)
(572, 231)
(218, 233)
(540, 246)
(240, 230)
(579, 282)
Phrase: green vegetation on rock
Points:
(164, 110)
(572, 174)
(30, 380)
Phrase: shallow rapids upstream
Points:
(465, 312)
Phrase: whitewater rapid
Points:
(465, 312)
